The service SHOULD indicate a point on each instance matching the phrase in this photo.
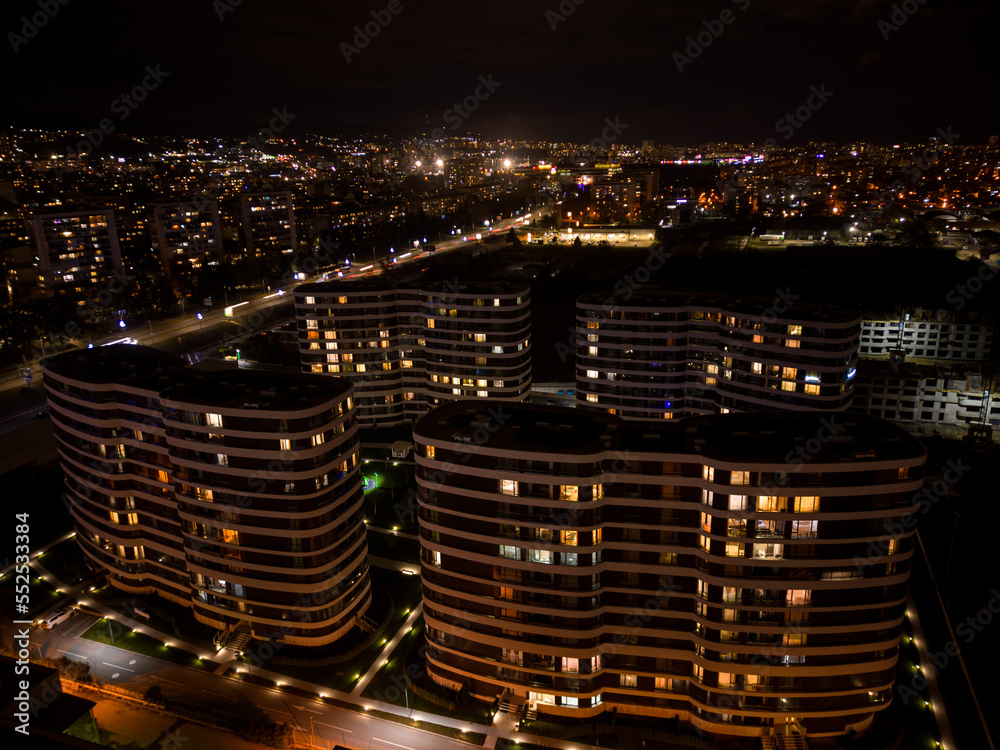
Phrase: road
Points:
(138, 673)
(248, 316)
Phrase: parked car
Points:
(55, 618)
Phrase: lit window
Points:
(734, 549)
(285, 444)
(229, 536)
(318, 439)
(436, 558)
(570, 664)
(737, 502)
(569, 492)
(593, 374)
(592, 398)
(812, 390)
(429, 451)
(799, 597)
(804, 529)
(629, 680)
(540, 556)
(806, 504)
(213, 420)
(568, 537)
(740, 477)
(511, 553)
(660, 683)
(508, 487)
(794, 330)
(757, 367)
(708, 473)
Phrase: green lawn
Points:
(342, 676)
(187, 628)
(66, 562)
(388, 504)
(140, 643)
(387, 684)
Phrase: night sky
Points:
(604, 59)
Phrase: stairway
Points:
(233, 637)
(510, 703)
(366, 623)
(532, 713)
(793, 740)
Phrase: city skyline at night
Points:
(564, 374)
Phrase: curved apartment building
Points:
(409, 349)
(741, 572)
(662, 356)
(235, 493)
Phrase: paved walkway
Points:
(502, 726)
(78, 594)
(930, 674)
(386, 652)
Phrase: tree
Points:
(512, 238)
(577, 243)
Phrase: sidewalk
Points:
(80, 595)
(500, 728)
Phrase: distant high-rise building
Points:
(586, 563)
(410, 348)
(237, 494)
(661, 356)
(187, 236)
(269, 223)
(78, 253)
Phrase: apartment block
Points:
(78, 253)
(934, 335)
(408, 349)
(741, 572)
(237, 494)
(268, 223)
(662, 356)
(187, 236)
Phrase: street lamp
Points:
(200, 318)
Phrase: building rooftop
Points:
(751, 305)
(334, 286)
(121, 363)
(175, 380)
(763, 436)
(262, 390)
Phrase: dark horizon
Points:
(560, 69)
